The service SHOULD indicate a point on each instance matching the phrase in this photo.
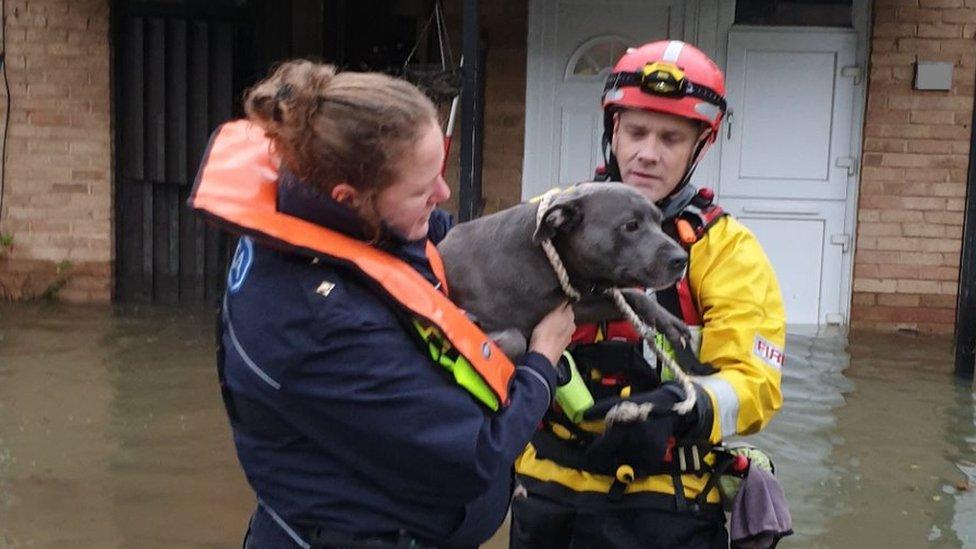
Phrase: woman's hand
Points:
(551, 336)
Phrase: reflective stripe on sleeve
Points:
(727, 400)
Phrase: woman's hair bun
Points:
(352, 127)
(285, 101)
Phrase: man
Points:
(589, 485)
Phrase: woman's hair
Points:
(330, 128)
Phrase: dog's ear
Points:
(561, 217)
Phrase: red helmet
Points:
(670, 77)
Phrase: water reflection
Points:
(875, 442)
(112, 435)
(802, 438)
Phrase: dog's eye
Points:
(632, 226)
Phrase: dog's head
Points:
(610, 234)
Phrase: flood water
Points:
(112, 435)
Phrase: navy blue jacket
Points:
(367, 435)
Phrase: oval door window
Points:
(594, 59)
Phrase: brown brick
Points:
(893, 59)
(41, 118)
(893, 117)
(89, 175)
(868, 216)
(932, 117)
(903, 216)
(918, 286)
(900, 243)
(953, 231)
(931, 101)
(930, 146)
(880, 229)
(894, 30)
(866, 270)
(940, 245)
(919, 203)
(882, 173)
(959, 16)
(936, 30)
(919, 258)
(902, 272)
(958, 45)
(948, 288)
(923, 229)
(899, 300)
(913, 47)
(949, 190)
(872, 256)
(867, 243)
(916, 15)
(886, 145)
(943, 217)
(874, 285)
(950, 274)
(955, 205)
(937, 301)
(904, 314)
(913, 131)
(907, 160)
(69, 188)
(884, 45)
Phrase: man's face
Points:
(653, 149)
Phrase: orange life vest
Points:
(237, 188)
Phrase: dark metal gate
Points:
(180, 68)
(177, 76)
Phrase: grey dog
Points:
(607, 235)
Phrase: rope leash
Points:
(649, 333)
(643, 329)
(557, 264)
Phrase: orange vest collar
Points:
(237, 187)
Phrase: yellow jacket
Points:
(735, 290)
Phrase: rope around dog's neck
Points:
(643, 329)
(557, 264)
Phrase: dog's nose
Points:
(677, 261)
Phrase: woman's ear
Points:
(347, 195)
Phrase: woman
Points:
(366, 409)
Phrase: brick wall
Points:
(915, 162)
(57, 195)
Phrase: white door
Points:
(572, 46)
(787, 166)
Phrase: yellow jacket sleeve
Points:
(743, 327)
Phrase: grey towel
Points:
(760, 516)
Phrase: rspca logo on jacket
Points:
(243, 257)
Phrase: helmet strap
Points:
(609, 159)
